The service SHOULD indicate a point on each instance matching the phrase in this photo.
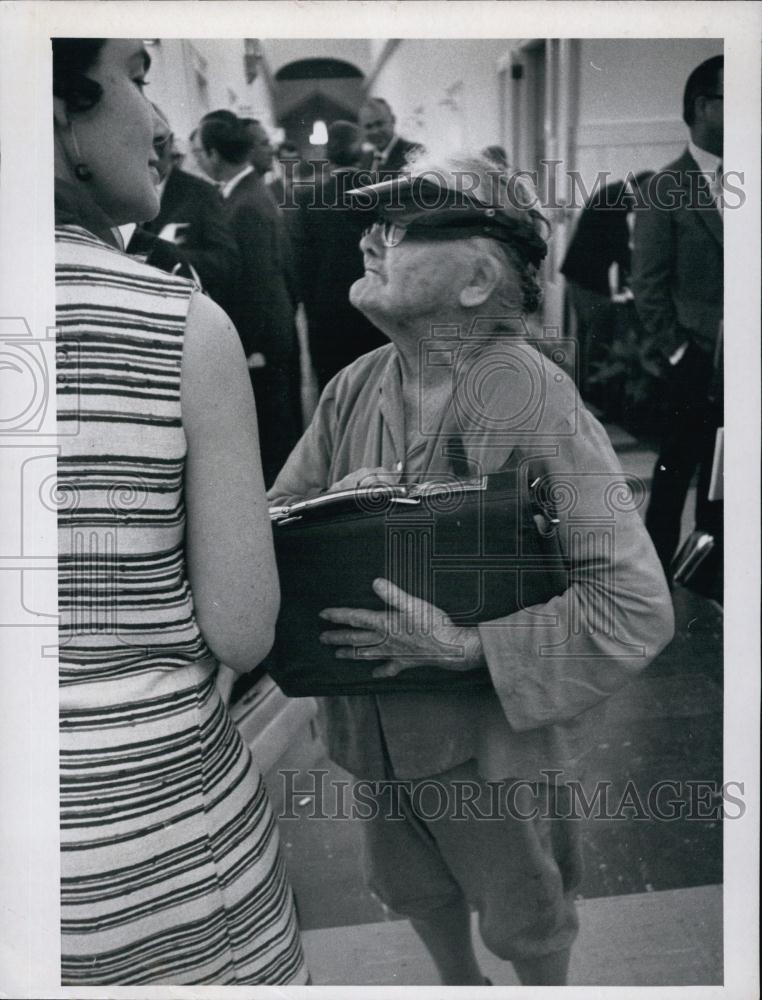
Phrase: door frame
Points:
(516, 71)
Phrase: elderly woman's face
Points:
(116, 137)
(406, 282)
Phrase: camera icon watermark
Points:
(35, 373)
(26, 383)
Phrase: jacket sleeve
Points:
(257, 299)
(653, 264)
(214, 253)
(553, 661)
(211, 248)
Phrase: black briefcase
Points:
(476, 550)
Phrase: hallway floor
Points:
(651, 899)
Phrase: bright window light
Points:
(319, 135)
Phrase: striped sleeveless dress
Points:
(170, 865)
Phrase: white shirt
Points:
(709, 165)
(126, 232)
(228, 186)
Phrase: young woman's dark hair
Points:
(72, 58)
(228, 134)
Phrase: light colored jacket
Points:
(552, 666)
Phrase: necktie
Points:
(378, 159)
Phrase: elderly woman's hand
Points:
(409, 633)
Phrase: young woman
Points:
(170, 867)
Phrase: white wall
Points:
(629, 112)
(444, 91)
(174, 87)
(622, 103)
(625, 114)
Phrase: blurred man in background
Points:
(237, 153)
(677, 282)
(390, 151)
(330, 260)
(190, 231)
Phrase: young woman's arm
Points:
(229, 551)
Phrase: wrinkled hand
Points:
(409, 633)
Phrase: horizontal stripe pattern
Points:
(170, 866)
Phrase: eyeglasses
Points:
(163, 142)
(456, 227)
(390, 233)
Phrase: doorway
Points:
(536, 85)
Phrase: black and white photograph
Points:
(371, 613)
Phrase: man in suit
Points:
(287, 155)
(282, 187)
(330, 260)
(677, 282)
(237, 154)
(390, 151)
(190, 230)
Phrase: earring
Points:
(81, 170)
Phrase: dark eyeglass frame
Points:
(391, 234)
(161, 144)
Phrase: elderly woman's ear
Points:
(486, 276)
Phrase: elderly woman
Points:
(451, 268)
(170, 865)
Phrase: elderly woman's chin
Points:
(359, 292)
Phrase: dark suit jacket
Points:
(396, 159)
(208, 244)
(677, 276)
(330, 260)
(601, 238)
(265, 296)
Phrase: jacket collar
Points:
(689, 176)
(228, 187)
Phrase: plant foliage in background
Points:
(626, 380)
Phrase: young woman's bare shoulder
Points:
(214, 364)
